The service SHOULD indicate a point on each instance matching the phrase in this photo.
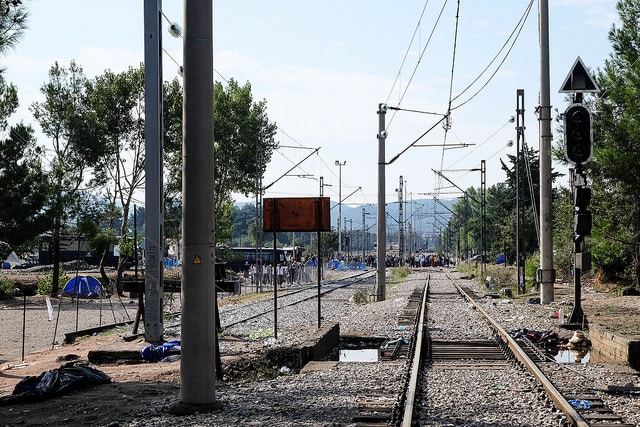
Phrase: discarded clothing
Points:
(156, 353)
(545, 339)
(580, 404)
(55, 382)
(399, 340)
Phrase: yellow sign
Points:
(197, 260)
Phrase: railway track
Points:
(469, 371)
(288, 298)
(236, 314)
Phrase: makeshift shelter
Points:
(83, 286)
(12, 261)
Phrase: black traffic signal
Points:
(582, 218)
(578, 135)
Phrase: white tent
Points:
(13, 260)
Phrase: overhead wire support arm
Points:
(418, 139)
(294, 166)
(452, 183)
(444, 206)
(346, 197)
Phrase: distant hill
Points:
(419, 213)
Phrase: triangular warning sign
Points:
(197, 260)
(579, 80)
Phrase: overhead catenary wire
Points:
(447, 124)
(418, 62)
(516, 31)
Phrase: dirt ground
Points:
(135, 388)
(132, 391)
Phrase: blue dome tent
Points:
(83, 286)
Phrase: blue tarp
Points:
(85, 286)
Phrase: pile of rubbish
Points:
(549, 339)
(54, 383)
(544, 339)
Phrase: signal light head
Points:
(578, 134)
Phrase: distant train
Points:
(74, 248)
(241, 259)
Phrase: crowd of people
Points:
(304, 269)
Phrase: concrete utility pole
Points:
(340, 165)
(382, 217)
(197, 363)
(400, 222)
(154, 228)
(546, 276)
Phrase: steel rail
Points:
(72, 336)
(407, 418)
(357, 278)
(555, 395)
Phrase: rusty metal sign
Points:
(296, 214)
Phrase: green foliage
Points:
(611, 258)
(8, 100)
(360, 296)
(24, 201)
(501, 276)
(126, 247)
(260, 334)
(6, 287)
(244, 144)
(44, 284)
(531, 265)
(563, 233)
(401, 272)
(615, 166)
(13, 22)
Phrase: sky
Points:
(323, 67)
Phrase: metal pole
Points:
(198, 335)
(578, 179)
(547, 273)
(274, 280)
(363, 231)
(319, 262)
(154, 233)
(483, 213)
(382, 220)
(519, 218)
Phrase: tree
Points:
(24, 212)
(75, 145)
(116, 104)
(8, 102)
(13, 21)
(529, 176)
(244, 142)
(243, 219)
(615, 166)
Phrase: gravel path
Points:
(31, 322)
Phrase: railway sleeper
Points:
(464, 350)
(612, 425)
(598, 411)
(533, 352)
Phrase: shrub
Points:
(360, 296)
(401, 272)
(45, 282)
(6, 288)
